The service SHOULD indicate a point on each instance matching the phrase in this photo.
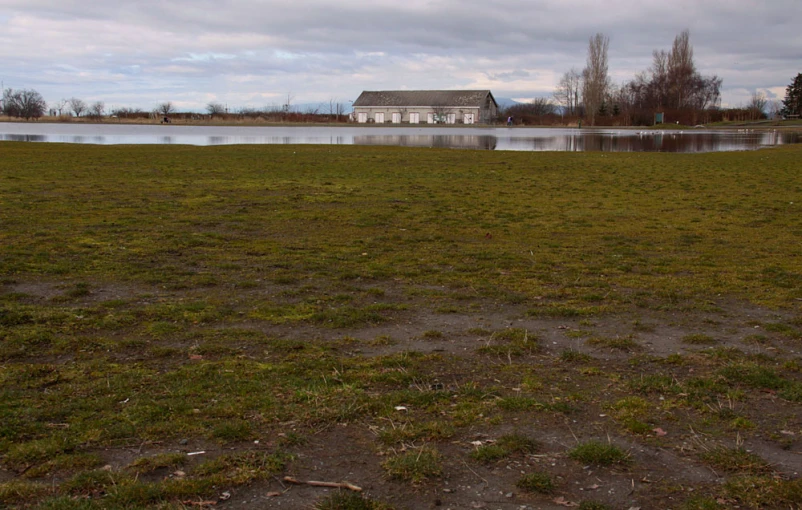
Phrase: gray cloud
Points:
(253, 53)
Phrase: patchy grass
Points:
(344, 500)
(415, 465)
(596, 452)
(505, 446)
(735, 460)
(540, 483)
(626, 344)
(255, 300)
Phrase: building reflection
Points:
(482, 142)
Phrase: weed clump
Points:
(536, 482)
(415, 465)
(596, 452)
(626, 344)
(342, 500)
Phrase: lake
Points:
(486, 138)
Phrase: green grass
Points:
(596, 452)
(235, 295)
(343, 500)
(505, 446)
(625, 344)
(735, 460)
(415, 465)
(536, 482)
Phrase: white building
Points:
(426, 106)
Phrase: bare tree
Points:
(124, 112)
(26, 103)
(60, 106)
(78, 106)
(97, 109)
(681, 70)
(671, 83)
(595, 80)
(215, 109)
(335, 109)
(568, 92)
(287, 106)
(165, 109)
(659, 82)
(757, 105)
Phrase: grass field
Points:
(435, 326)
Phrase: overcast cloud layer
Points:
(250, 53)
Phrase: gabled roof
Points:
(436, 98)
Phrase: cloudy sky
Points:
(256, 53)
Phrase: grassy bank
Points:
(435, 316)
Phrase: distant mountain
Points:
(505, 102)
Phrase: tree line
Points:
(29, 104)
(671, 85)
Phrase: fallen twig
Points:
(336, 485)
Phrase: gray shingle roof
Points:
(437, 98)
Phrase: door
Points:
(451, 118)
(361, 117)
(467, 118)
(414, 118)
(430, 118)
(396, 118)
(379, 118)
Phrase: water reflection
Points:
(483, 138)
(485, 142)
(24, 138)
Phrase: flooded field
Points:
(486, 138)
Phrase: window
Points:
(396, 118)
(451, 118)
(361, 117)
(467, 118)
(414, 118)
(430, 118)
(379, 118)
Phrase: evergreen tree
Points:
(792, 105)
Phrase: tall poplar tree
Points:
(595, 81)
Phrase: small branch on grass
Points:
(474, 472)
(335, 485)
